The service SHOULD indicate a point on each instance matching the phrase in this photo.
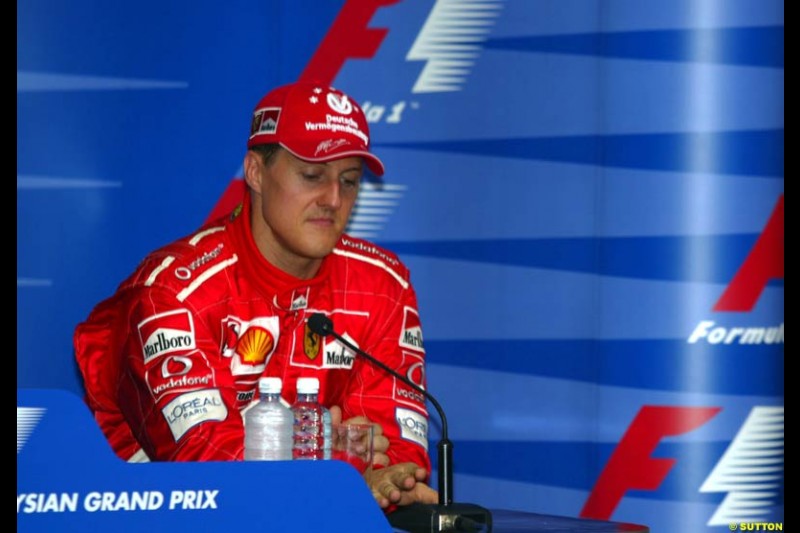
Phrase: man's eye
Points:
(311, 177)
(350, 183)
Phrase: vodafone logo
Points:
(174, 375)
(340, 104)
(176, 365)
(416, 373)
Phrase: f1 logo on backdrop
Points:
(348, 38)
(27, 419)
(763, 263)
(631, 466)
(451, 31)
(754, 455)
(446, 44)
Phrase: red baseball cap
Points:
(314, 122)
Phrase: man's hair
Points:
(266, 151)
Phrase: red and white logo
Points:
(750, 471)
(249, 343)
(632, 465)
(764, 262)
(337, 355)
(440, 36)
(411, 334)
(266, 121)
(175, 365)
(165, 333)
(339, 103)
(175, 375)
(415, 372)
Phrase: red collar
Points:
(273, 283)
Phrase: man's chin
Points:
(320, 251)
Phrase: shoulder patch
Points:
(188, 263)
(369, 249)
(164, 333)
(367, 252)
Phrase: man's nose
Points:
(332, 194)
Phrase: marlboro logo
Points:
(166, 333)
(411, 334)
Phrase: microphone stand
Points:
(445, 516)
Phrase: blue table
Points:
(508, 521)
(68, 479)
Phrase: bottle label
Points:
(308, 439)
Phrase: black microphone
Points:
(419, 517)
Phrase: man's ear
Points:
(253, 170)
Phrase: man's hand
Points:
(400, 484)
(380, 444)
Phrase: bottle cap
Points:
(269, 385)
(307, 385)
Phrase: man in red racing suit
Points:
(173, 357)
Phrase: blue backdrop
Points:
(589, 194)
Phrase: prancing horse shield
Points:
(311, 342)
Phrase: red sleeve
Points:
(382, 398)
(159, 364)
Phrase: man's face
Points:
(305, 208)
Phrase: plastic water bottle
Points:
(268, 425)
(327, 437)
(308, 426)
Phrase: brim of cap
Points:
(374, 164)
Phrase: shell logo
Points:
(254, 346)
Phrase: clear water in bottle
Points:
(308, 426)
(327, 438)
(268, 425)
